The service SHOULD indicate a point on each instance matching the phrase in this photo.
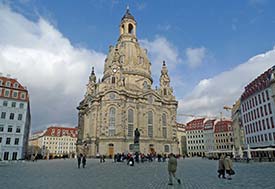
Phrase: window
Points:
(9, 129)
(164, 125)
(15, 94)
(8, 84)
(7, 93)
(112, 120)
(6, 155)
(166, 148)
(15, 85)
(150, 124)
(21, 105)
(263, 97)
(11, 116)
(18, 130)
(1, 128)
(3, 115)
(145, 85)
(23, 95)
(0, 140)
(8, 140)
(112, 96)
(1, 82)
(13, 104)
(130, 122)
(131, 147)
(20, 117)
(16, 141)
(113, 80)
(5, 103)
(14, 156)
(269, 108)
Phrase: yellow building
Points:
(124, 100)
(181, 135)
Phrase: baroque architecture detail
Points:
(124, 100)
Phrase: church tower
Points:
(124, 100)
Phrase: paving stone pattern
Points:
(194, 173)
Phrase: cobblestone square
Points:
(194, 173)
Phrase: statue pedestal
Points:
(136, 147)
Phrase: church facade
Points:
(123, 100)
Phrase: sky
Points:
(212, 49)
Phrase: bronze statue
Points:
(137, 135)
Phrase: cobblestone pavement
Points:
(194, 173)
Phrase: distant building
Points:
(223, 135)
(237, 126)
(181, 135)
(208, 136)
(258, 112)
(15, 119)
(195, 140)
(55, 141)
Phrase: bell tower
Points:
(128, 27)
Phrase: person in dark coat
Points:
(84, 161)
(221, 169)
(79, 160)
(131, 161)
(172, 168)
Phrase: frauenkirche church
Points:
(124, 100)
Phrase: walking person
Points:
(172, 168)
(221, 169)
(84, 161)
(79, 160)
(228, 167)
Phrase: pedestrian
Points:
(84, 161)
(79, 160)
(221, 169)
(228, 167)
(172, 168)
(131, 161)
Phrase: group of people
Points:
(225, 165)
(81, 159)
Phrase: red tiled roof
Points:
(195, 124)
(56, 131)
(20, 89)
(258, 84)
(223, 126)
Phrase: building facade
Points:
(208, 136)
(258, 112)
(238, 131)
(123, 100)
(223, 136)
(53, 142)
(181, 135)
(195, 140)
(15, 119)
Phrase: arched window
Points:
(164, 125)
(130, 122)
(112, 121)
(165, 91)
(113, 80)
(130, 28)
(150, 124)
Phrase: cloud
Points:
(54, 71)
(161, 49)
(210, 95)
(195, 56)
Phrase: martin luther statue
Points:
(137, 135)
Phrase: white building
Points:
(14, 119)
(208, 136)
(258, 112)
(195, 140)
